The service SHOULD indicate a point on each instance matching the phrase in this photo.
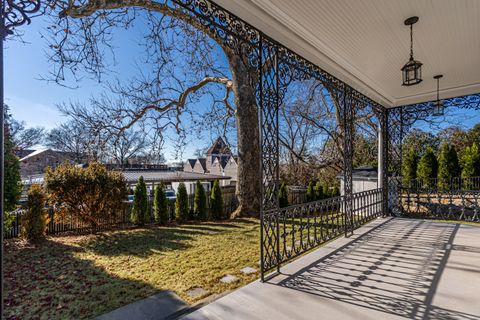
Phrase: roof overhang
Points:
(365, 43)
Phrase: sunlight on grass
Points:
(83, 276)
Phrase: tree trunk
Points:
(249, 171)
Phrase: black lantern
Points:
(438, 107)
(412, 70)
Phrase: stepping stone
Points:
(229, 279)
(248, 270)
(197, 292)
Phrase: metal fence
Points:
(69, 223)
(455, 199)
(291, 231)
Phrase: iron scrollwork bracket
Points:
(16, 13)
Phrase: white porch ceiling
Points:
(365, 43)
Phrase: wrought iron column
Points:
(268, 104)
(383, 158)
(348, 131)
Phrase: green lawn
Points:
(78, 277)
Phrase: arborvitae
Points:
(448, 166)
(470, 165)
(326, 192)
(200, 203)
(160, 204)
(139, 213)
(336, 191)
(12, 180)
(34, 222)
(409, 167)
(181, 203)
(310, 192)
(216, 202)
(283, 196)
(427, 168)
(319, 191)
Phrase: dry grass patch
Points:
(83, 276)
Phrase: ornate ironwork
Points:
(457, 199)
(395, 133)
(348, 124)
(268, 103)
(18, 12)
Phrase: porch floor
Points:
(390, 269)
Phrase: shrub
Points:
(200, 202)
(336, 191)
(216, 201)
(8, 219)
(470, 165)
(319, 191)
(90, 194)
(12, 179)
(34, 222)
(326, 192)
(283, 196)
(139, 214)
(181, 203)
(427, 168)
(409, 167)
(160, 204)
(448, 166)
(310, 192)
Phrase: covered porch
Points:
(391, 268)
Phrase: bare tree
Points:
(75, 139)
(84, 29)
(128, 145)
(23, 137)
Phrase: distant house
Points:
(36, 162)
(364, 178)
(218, 160)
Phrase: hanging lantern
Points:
(412, 70)
(438, 107)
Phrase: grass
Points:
(78, 277)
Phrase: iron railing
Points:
(455, 199)
(291, 231)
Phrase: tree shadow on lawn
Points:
(48, 281)
(143, 242)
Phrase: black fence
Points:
(291, 231)
(455, 199)
(69, 223)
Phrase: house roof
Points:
(363, 173)
(34, 154)
(219, 147)
(203, 163)
(192, 162)
(148, 176)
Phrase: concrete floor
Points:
(389, 269)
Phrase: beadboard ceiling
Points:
(365, 42)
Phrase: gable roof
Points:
(192, 162)
(219, 147)
(203, 163)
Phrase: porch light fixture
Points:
(438, 107)
(412, 70)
